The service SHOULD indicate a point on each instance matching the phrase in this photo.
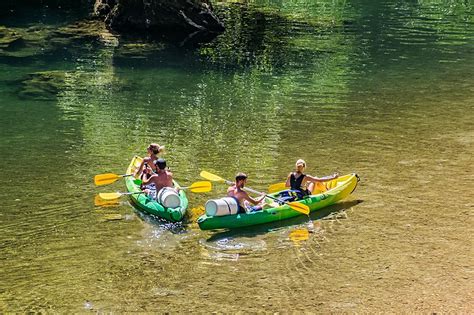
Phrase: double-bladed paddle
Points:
(197, 187)
(295, 205)
(277, 187)
(108, 178)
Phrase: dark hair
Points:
(155, 148)
(160, 163)
(240, 176)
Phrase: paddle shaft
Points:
(187, 187)
(133, 192)
(228, 182)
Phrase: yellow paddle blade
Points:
(201, 187)
(211, 177)
(319, 188)
(299, 235)
(110, 196)
(277, 187)
(105, 179)
(99, 202)
(295, 205)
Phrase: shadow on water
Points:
(253, 231)
(173, 227)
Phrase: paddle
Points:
(108, 178)
(277, 187)
(116, 195)
(297, 206)
(197, 187)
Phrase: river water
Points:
(384, 89)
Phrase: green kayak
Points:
(335, 190)
(149, 205)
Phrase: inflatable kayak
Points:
(148, 204)
(332, 192)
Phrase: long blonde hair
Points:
(156, 148)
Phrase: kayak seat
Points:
(286, 198)
(331, 184)
(254, 209)
(319, 188)
(289, 195)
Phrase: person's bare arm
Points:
(151, 179)
(139, 169)
(170, 179)
(288, 184)
(252, 200)
(315, 179)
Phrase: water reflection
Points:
(232, 248)
(99, 202)
(299, 235)
(161, 226)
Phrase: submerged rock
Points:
(179, 17)
(37, 40)
(21, 42)
(48, 85)
(42, 85)
(84, 30)
(139, 50)
(8, 37)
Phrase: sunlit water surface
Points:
(381, 89)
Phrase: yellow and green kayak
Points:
(148, 204)
(334, 191)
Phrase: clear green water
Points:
(382, 88)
